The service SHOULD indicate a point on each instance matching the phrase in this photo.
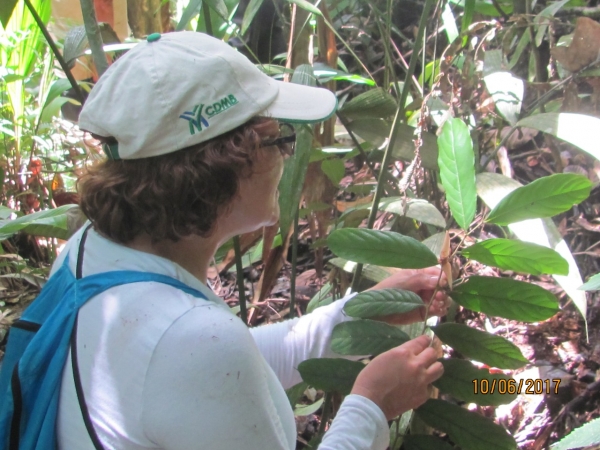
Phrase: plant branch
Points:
(500, 10)
(294, 268)
(207, 21)
(56, 52)
(398, 119)
(94, 37)
(240, 279)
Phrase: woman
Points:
(194, 159)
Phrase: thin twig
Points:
(294, 269)
(240, 279)
(63, 64)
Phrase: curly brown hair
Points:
(174, 195)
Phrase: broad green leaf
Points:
(505, 297)
(467, 19)
(584, 436)
(52, 108)
(495, 351)
(219, 7)
(6, 9)
(334, 169)
(468, 429)
(544, 197)
(307, 410)
(56, 90)
(75, 44)
(375, 103)
(492, 188)
(458, 381)
(249, 14)
(518, 256)
(295, 393)
(449, 23)
(544, 18)
(377, 131)
(593, 284)
(507, 91)
(373, 273)
(308, 6)
(572, 128)
(191, 10)
(457, 169)
(382, 248)
(330, 374)
(382, 302)
(49, 223)
(417, 209)
(425, 442)
(6, 212)
(322, 298)
(366, 337)
(435, 243)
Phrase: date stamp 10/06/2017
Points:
(523, 386)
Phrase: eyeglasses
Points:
(286, 140)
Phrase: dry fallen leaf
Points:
(584, 49)
(445, 259)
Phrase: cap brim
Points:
(298, 103)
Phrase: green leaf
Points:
(375, 103)
(383, 248)
(191, 10)
(295, 393)
(304, 4)
(6, 9)
(425, 442)
(76, 42)
(249, 14)
(330, 374)
(467, 429)
(467, 19)
(593, 284)
(366, 337)
(457, 169)
(508, 298)
(518, 256)
(544, 18)
(415, 208)
(382, 302)
(584, 436)
(449, 23)
(495, 351)
(459, 378)
(373, 273)
(544, 197)
(307, 410)
(6, 212)
(492, 188)
(219, 7)
(572, 128)
(322, 298)
(49, 223)
(377, 131)
(334, 169)
(53, 108)
(507, 91)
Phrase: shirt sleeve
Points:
(359, 425)
(206, 387)
(286, 344)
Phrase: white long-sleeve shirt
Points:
(162, 369)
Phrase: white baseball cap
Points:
(179, 89)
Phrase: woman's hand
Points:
(398, 379)
(423, 283)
